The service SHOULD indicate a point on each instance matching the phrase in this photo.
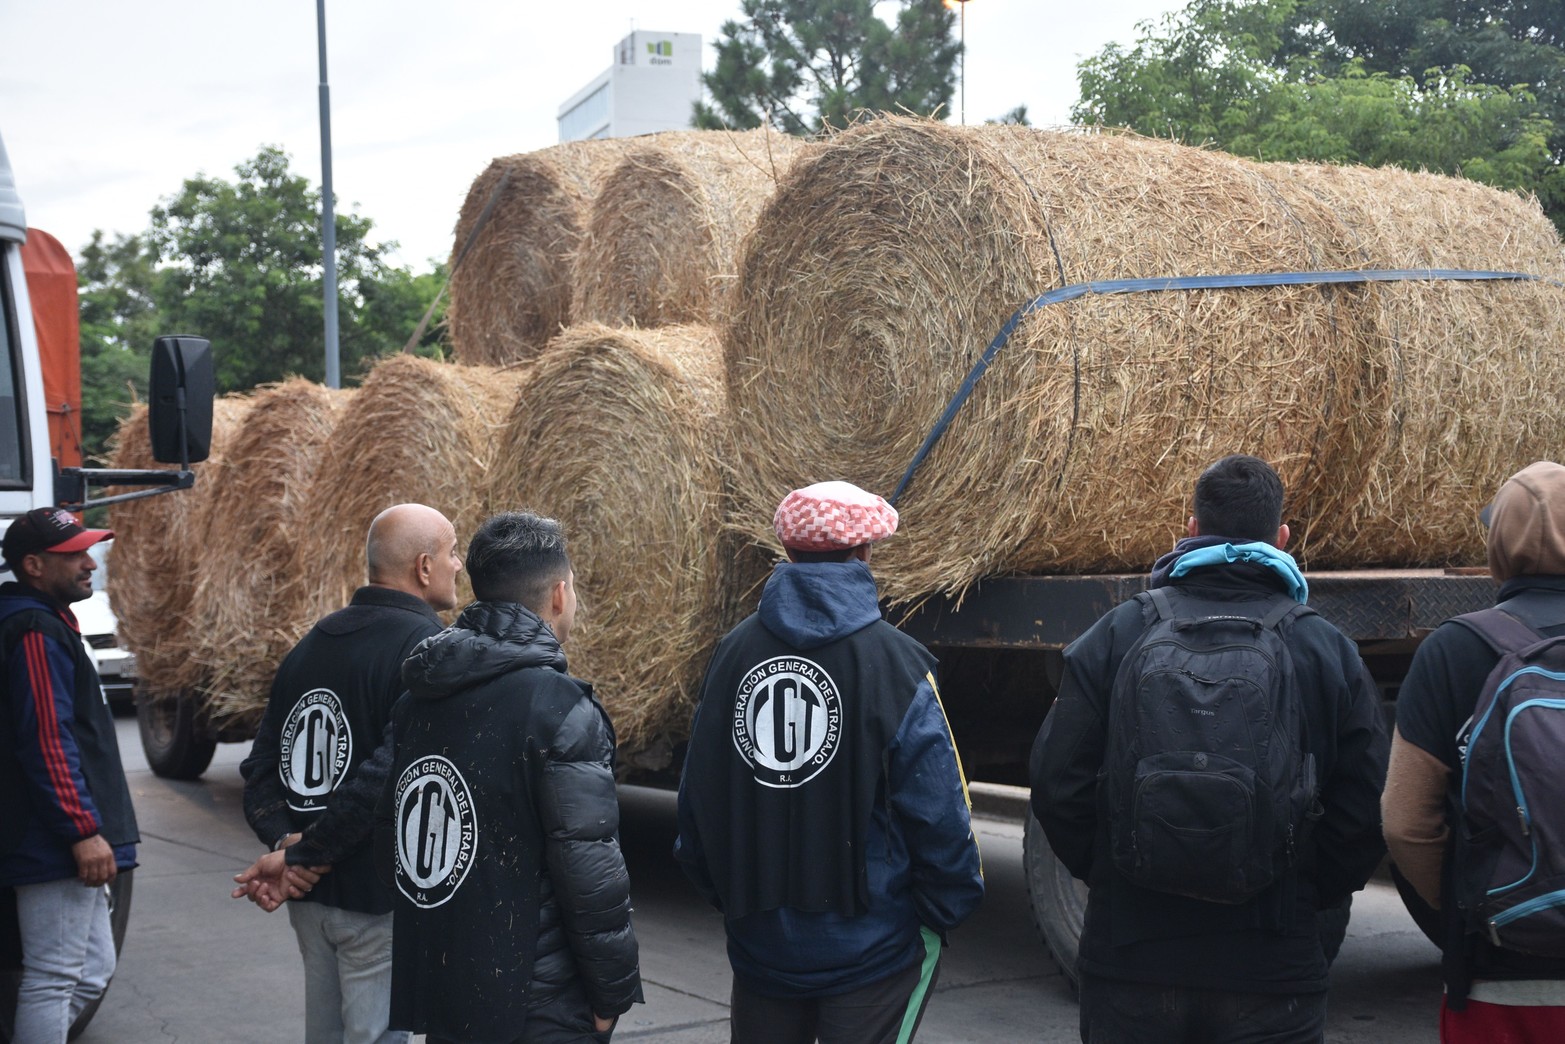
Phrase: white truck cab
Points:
(26, 472)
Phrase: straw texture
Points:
(251, 611)
(512, 292)
(1471, 378)
(619, 435)
(891, 256)
(160, 553)
(415, 431)
(663, 230)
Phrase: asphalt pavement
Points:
(199, 968)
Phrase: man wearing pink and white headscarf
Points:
(823, 807)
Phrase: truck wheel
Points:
(174, 742)
(1058, 900)
(10, 953)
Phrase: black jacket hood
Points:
(489, 639)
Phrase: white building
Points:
(653, 85)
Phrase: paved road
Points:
(198, 967)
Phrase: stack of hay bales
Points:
(251, 610)
(663, 231)
(160, 554)
(416, 430)
(512, 290)
(620, 435)
(622, 427)
(889, 258)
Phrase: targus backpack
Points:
(1209, 788)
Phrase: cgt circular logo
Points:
(314, 749)
(437, 831)
(787, 721)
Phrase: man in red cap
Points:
(68, 826)
(822, 806)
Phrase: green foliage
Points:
(118, 323)
(801, 65)
(1476, 89)
(1017, 117)
(240, 263)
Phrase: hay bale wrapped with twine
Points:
(251, 611)
(512, 290)
(415, 431)
(619, 435)
(662, 235)
(891, 256)
(161, 552)
(1470, 372)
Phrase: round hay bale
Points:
(663, 231)
(619, 436)
(251, 611)
(161, 551)
(416, 430)
(1468, 374)
(888, 260)
(512, 292)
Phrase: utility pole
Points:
(960, 6)
(328, 211)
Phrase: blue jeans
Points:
(1115, 1012)
(67, 956)
(347, 974)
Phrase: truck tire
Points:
(120, 891)
(1058, 900)
(176, 745)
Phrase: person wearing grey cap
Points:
(1492, 992)
(68, 827)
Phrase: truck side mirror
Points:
(179, 411)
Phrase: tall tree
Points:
(801, 65)
(240, 263)
(114, 289)
(244, 268)
(1342, 81)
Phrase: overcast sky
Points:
(106, 106)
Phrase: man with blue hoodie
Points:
(1158, 964)
(823, 807)
(68, 827)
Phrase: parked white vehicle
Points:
(116, 664)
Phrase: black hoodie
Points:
(501, 796)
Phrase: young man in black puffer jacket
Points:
(500, 816)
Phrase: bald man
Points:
(320, 760)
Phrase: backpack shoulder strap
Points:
(1287, 609)
(1161, 602)
(1503, 632)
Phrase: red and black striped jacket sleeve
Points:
(41, 677)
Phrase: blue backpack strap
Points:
(1503, 632)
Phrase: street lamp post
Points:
(960, 7)
(328, 211)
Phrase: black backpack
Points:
(1510, 853)
(1208, 786)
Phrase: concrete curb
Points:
(999, 801)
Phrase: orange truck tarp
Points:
(51, 283)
